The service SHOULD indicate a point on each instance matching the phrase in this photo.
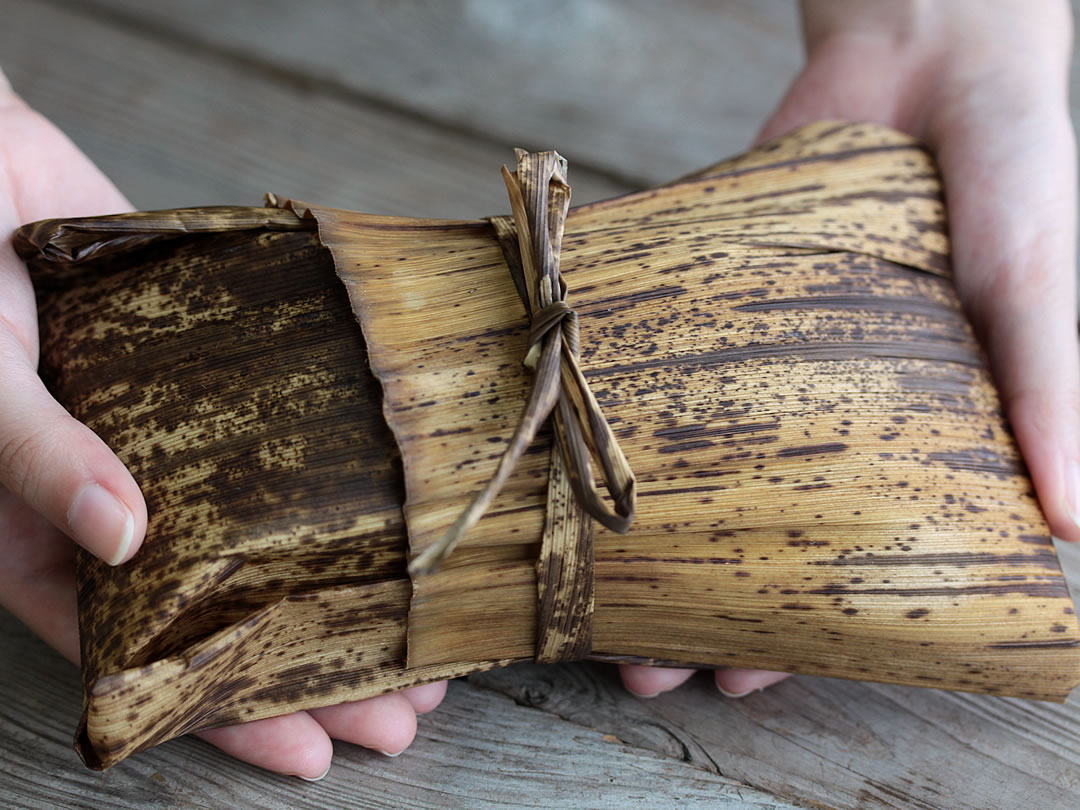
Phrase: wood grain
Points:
(831, 743)
(704, 75)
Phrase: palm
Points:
(38, 578)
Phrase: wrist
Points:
(974, 34)
(911, 64)
(896, 21)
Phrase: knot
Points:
(554, 314)
(539, 201)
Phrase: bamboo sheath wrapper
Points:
(310, 398)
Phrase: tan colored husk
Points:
(826, 484)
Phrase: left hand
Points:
(43, 451)
(984, 85)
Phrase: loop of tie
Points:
(539, 200)
(547, 319)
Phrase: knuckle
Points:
(1011, 285)
(1033, 409)
(21, 460)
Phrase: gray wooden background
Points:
(359, 104)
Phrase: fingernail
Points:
(1072, 490)
(98, 521)
(728, 694)
(318, 778)
(388, 754)
(649, 696)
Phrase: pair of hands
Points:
(982, 83)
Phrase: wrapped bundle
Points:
(354, 486)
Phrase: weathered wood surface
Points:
(481, 749)
(174, 125)
(833, 743)
(646, 91)
(293, 101)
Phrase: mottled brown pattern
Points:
(826, 481)
(227, 371)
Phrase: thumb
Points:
(49, 460)
(850, 78)
(60, 467)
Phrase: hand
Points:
(59, 480)
(984, 85)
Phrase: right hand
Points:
(58, 480)
(984, 85)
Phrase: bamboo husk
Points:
(826, 483)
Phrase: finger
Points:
(426, 698)
(61, 468)
(648, 682)
(293, 744)
(42, 175)
(847, 78)
(46, 174)
(737, 683)
(386, 724)
(1012, 211)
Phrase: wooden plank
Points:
(645, 90)
(478, 750)
(175, 127)
(834, 743)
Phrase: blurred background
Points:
(397, 107)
